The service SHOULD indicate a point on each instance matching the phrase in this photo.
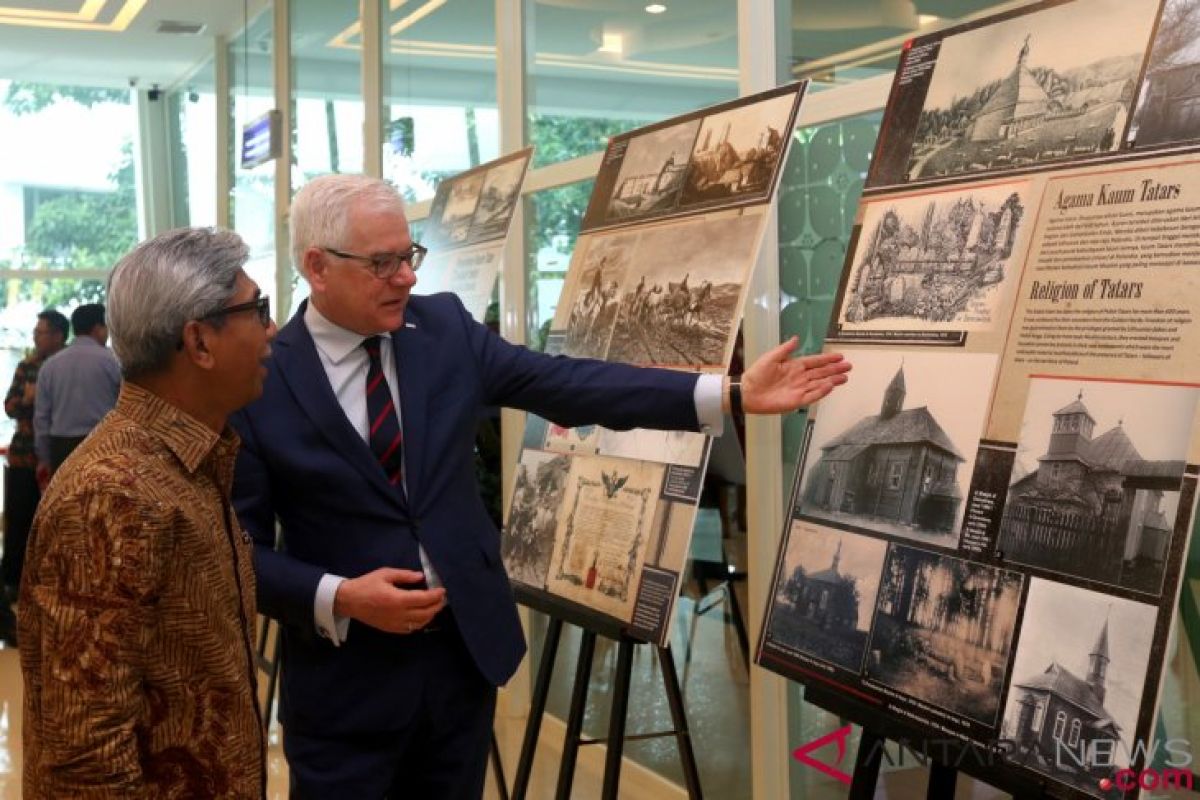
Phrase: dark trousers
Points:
(61, 447)
(441, 754)
(21, 496)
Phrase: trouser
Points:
(442, 753)
(21, 496)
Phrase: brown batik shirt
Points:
(137, 618)
(20, 452)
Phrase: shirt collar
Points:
(85, 341)
(335, 342)
(187, 437)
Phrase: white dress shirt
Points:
(346, 363)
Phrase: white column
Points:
(281, 67)
(372, 74)
(224, 99)
(757, 70)
(153, 162)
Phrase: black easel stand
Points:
(877, 728)
(616, 737)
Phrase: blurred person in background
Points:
(21, 492)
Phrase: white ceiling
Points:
(105, 58)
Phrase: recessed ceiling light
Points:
(655, 8)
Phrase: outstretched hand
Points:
(777, 383)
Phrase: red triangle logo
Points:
(839, 737)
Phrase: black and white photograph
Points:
(593, 310)
(455, 223)
(937, 261)
(1169, 104)
(893, 450)
(1078, 679)
(652, 171)
(497, 199)
(682, 308)
(943, 631)
(825, 594)
(737, 152)
(1096, 483)
(1051, 84)
(528, 540)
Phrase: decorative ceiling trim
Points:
(82, 20)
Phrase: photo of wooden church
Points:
(825, 594)
(1101, 500)
(902, 467)
(1077, 687)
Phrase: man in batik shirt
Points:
(137, 609)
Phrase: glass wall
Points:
(252, 193)
(193, 138)
(439, 91)
(597, 69)
(67, 204)
(327, 99)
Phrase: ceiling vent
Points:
(180, 28)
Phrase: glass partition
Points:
(193, 139)
(439, 91)
(252, 190)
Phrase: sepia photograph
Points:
(683, 307)
(497, 200)
(825, 594)
(1078, 679)
(1051, 84)
(893, 450)
(737, 152)
(1169, 103)
(528, 540)
(943, 631)
(652, 171)
(942, 261)
(1096, 482)
(593, 309)
(455, 223)
(603, 532)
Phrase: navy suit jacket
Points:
(303, 464)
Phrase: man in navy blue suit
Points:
(398, 619)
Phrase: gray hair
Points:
(161, 285)
(321, 208)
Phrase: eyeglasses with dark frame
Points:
(260, 304)
(385, 265)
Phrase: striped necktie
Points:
(384, 436)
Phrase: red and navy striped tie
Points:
(385, 438)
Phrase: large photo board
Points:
(600, 521)
(467, 228)
(988, 525)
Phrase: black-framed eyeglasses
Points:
(385, 265)
(260, 304)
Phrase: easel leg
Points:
(942, 780)
(866, 766)
(498, 766)
(583, 675)
(616, 722)
(537, 707)
(683, 738)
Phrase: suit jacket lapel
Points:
(296, 358)
(411, 349)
